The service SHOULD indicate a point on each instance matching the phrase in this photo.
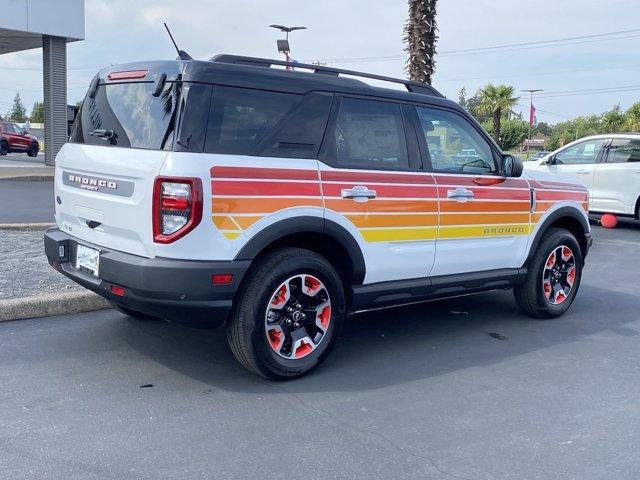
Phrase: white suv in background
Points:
(609, 165)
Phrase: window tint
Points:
(582, 153)
(195, 101)
(301, 134)
(454, 145)
(13, 128)
(369, 134)
(239, 118)
(129, 110)
(622, 151)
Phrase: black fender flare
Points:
(301, 225)
(562, 212)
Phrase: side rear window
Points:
(300, 133)
(368, 134)
(623, 151)
(240, 117)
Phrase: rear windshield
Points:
(128, 115)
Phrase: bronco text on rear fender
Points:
(278, 201)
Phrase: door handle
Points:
(460, 194)
(582, 172)
(359, 193)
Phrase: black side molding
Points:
(398, 292)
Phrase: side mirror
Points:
(551, 160)
(25, 132)
(511, 166)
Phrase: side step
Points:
(398, 292)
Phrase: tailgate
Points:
(104, 195)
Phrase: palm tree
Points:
(420, 39)
(496, 101)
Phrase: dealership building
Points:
(50, 25)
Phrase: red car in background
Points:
(15, 139)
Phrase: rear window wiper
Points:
(106, 135)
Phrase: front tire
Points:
(553, 276)
(288, 315)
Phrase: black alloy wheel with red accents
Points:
(287, 315)
(553, 276)
(298, 316)
(559, 275)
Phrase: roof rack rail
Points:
(411, 86)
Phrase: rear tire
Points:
(4, 148)
(287, 284)
(553, 276)
(33, 150)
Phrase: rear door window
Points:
(128, 115)
(240, 117)
(623, 151)
(368, 134)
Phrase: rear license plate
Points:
(88, 259)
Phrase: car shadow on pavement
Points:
(393, 346)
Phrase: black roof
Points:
(251, 72)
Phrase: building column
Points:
(54, 63)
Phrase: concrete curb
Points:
(64, 303)
(25, 226)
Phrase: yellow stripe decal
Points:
(399, 234)
(484, 231)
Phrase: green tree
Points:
(462, 97)
(18, 113)
(37, 113)
(473, 104)
(543, 128)
(613, 120)
(512, 133)
(496, 101)
(632, 118)
(420, 39)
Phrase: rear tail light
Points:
(177, 207)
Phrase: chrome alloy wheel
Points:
(558, 275)
(298, 316)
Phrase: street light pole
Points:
(283, 45)
(531, 92)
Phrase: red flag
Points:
(532, 115)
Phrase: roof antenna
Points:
(182, 55)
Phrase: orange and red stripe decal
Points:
(406, 206)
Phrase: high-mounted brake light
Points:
(177, 207)
(128, 75)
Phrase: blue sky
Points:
(120, 31)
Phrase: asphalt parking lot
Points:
(466, 388)
(26, 202)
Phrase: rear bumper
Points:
(177, 290)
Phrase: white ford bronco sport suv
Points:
(276, 202)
